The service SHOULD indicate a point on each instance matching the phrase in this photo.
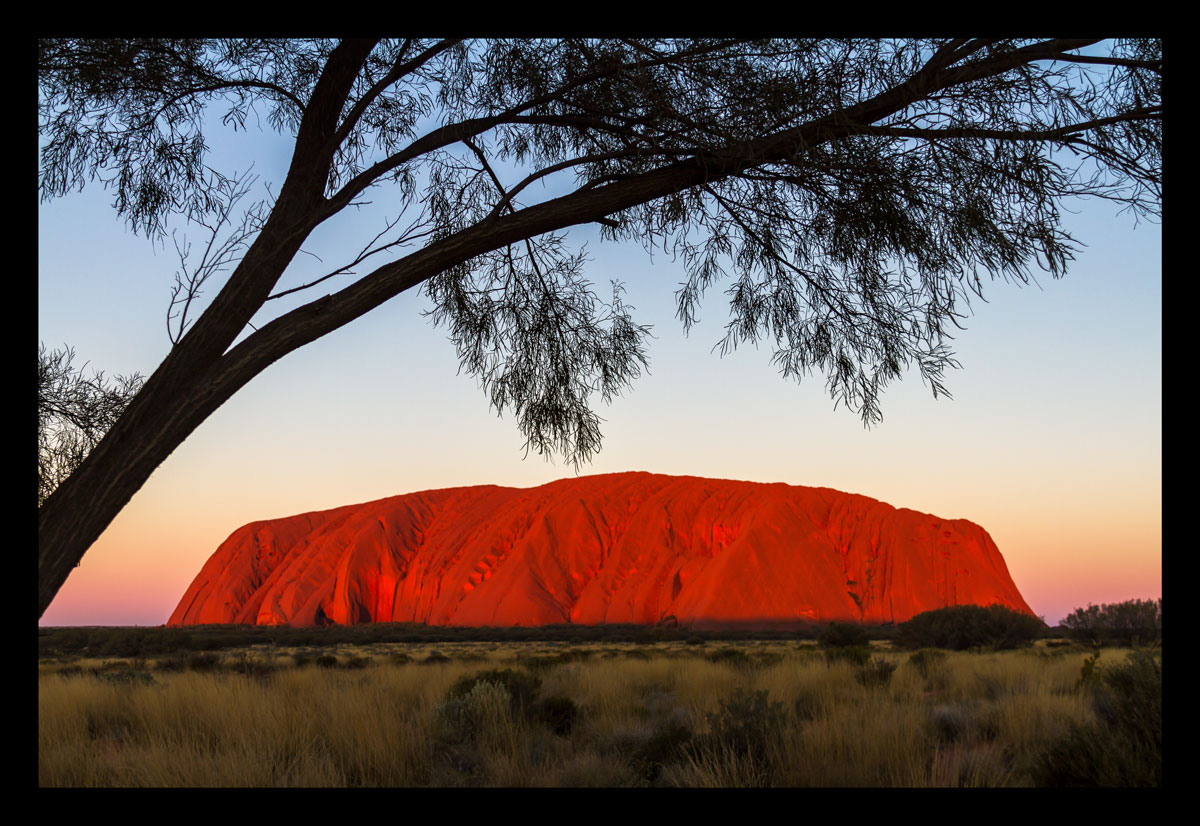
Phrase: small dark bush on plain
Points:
(252, 667)
(558, 713)
(127, 676)
(666, 743)
(949, 722)
(878, 672)
(544, 662)
(327, 661)
(927, 660)
(729, 656)
(521, 685)
(963, 627)
(435, 657)
(203, 661)
(842, 635)
(1124, 748)
(302, 658)
(746, 724)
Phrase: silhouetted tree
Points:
(959, 627)
(1133, 622)
(850, 192)
(74, 412)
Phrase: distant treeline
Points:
(959, 627)
(148, 641)
(1131, 623)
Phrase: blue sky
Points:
(1052, 442)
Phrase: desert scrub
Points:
(858, 655)
(521, 687)
(876, 673)
(962, 627)
(927, 661)
(1123, 747)
(843, 635)
(557, 713)
(668, 720)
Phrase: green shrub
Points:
(473, 714)
(1124, 746)
(878, 672)
(522, 687)
(747, 724)
(126, 676)
(1131, 623)
(963, 627)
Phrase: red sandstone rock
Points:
(625, 547)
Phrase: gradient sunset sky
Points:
(1052, 441)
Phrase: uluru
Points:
(616, 548)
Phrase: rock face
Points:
(617, 548)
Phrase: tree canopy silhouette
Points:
(846, 194)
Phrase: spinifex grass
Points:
(665, 714)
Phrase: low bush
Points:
(963, 627)
(669, 740)
(1124, 746)
(927, 661)
(747, 724)
(729, 656)
(204, 661)
(877, 672)
(558, 713)
(478, 712)
(522, 687)
(252, 667)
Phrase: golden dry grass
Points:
(975, 720)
